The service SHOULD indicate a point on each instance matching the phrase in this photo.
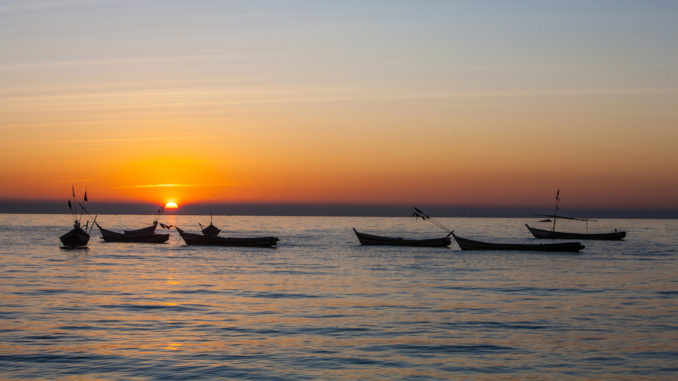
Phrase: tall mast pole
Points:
(555, 209)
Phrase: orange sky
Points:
(340, 103)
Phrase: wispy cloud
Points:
(75, 181)
(211, 97)
(158, 186)
(122, 140)
(146, 186)
(27, 6)
(117, 61)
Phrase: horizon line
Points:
(330, 209)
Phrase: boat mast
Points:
(82, 206)
(160, 211)
(555, 209)
(74, 209)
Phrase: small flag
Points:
(558, 195)
(85, 196)
(69, 205)
(73, 191)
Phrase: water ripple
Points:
(322, 307)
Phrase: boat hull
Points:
(143, 231)
(375, 240)
(469, 244)
(75, 238)
(202, 240)
(111, 236)
(550, 234)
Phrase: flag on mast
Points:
(85, 196)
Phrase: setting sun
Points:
(171, 205)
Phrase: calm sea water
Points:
(322, 307)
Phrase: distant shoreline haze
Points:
(332, 209)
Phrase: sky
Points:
(369, 102)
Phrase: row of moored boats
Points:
(79, 236)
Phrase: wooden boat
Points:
(112, 236)
(143, 231)
(553, 234)
(541, 233)
(204, 240)
(370, 239)
(75, 238)
(469, 244)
